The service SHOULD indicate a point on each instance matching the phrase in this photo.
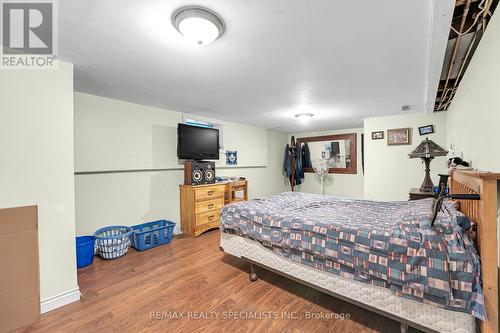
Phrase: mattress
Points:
(386, 302)
(388, 244)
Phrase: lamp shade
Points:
(427, 149)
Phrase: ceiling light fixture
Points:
(198, 24)
(304, 115)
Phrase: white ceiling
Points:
(341, 60)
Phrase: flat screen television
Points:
(197, 143)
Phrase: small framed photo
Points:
(377, 135)
(399, 136)
(424, 130)
(231, 157)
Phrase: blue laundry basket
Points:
(152, 234)
(84, 251)
(113, 242)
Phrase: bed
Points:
(382, 256)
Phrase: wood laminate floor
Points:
(188, 286)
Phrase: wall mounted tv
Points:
(197, 143)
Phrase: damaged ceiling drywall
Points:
(470, 20)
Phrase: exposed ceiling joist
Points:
(470, 19)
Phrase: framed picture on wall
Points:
(399, 136)
(377, 135)
(424, 130)
(231, 157)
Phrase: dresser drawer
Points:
(208, 192)
(208, 205)
(208, 218)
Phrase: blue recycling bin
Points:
(84, 251)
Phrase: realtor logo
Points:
(28, 34)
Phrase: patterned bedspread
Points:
(389, 244)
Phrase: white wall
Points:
(343, 185)
(116, 135)
(474, 114)
(103, 130)
(389, 173)
(36, 164)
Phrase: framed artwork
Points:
(377, 135)
(424, 130)
(231, 157)
(399, 136)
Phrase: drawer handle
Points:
(211, 218)
(211, 206)
(210, 192)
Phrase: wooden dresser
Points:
(201, 204)
(200, 207)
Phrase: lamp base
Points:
(427, 185)
(427, 189)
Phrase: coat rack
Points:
(293, 155)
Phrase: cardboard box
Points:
(19, 270)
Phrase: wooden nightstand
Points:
(416, 194)
(236, 186)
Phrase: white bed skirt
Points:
(383, 299)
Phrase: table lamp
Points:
(427, 150)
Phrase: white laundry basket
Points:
(113, 242)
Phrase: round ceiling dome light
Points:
(304, 115)
(199, 25)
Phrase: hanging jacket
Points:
(299, 169)
(287, 162)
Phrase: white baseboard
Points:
(62, 299)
